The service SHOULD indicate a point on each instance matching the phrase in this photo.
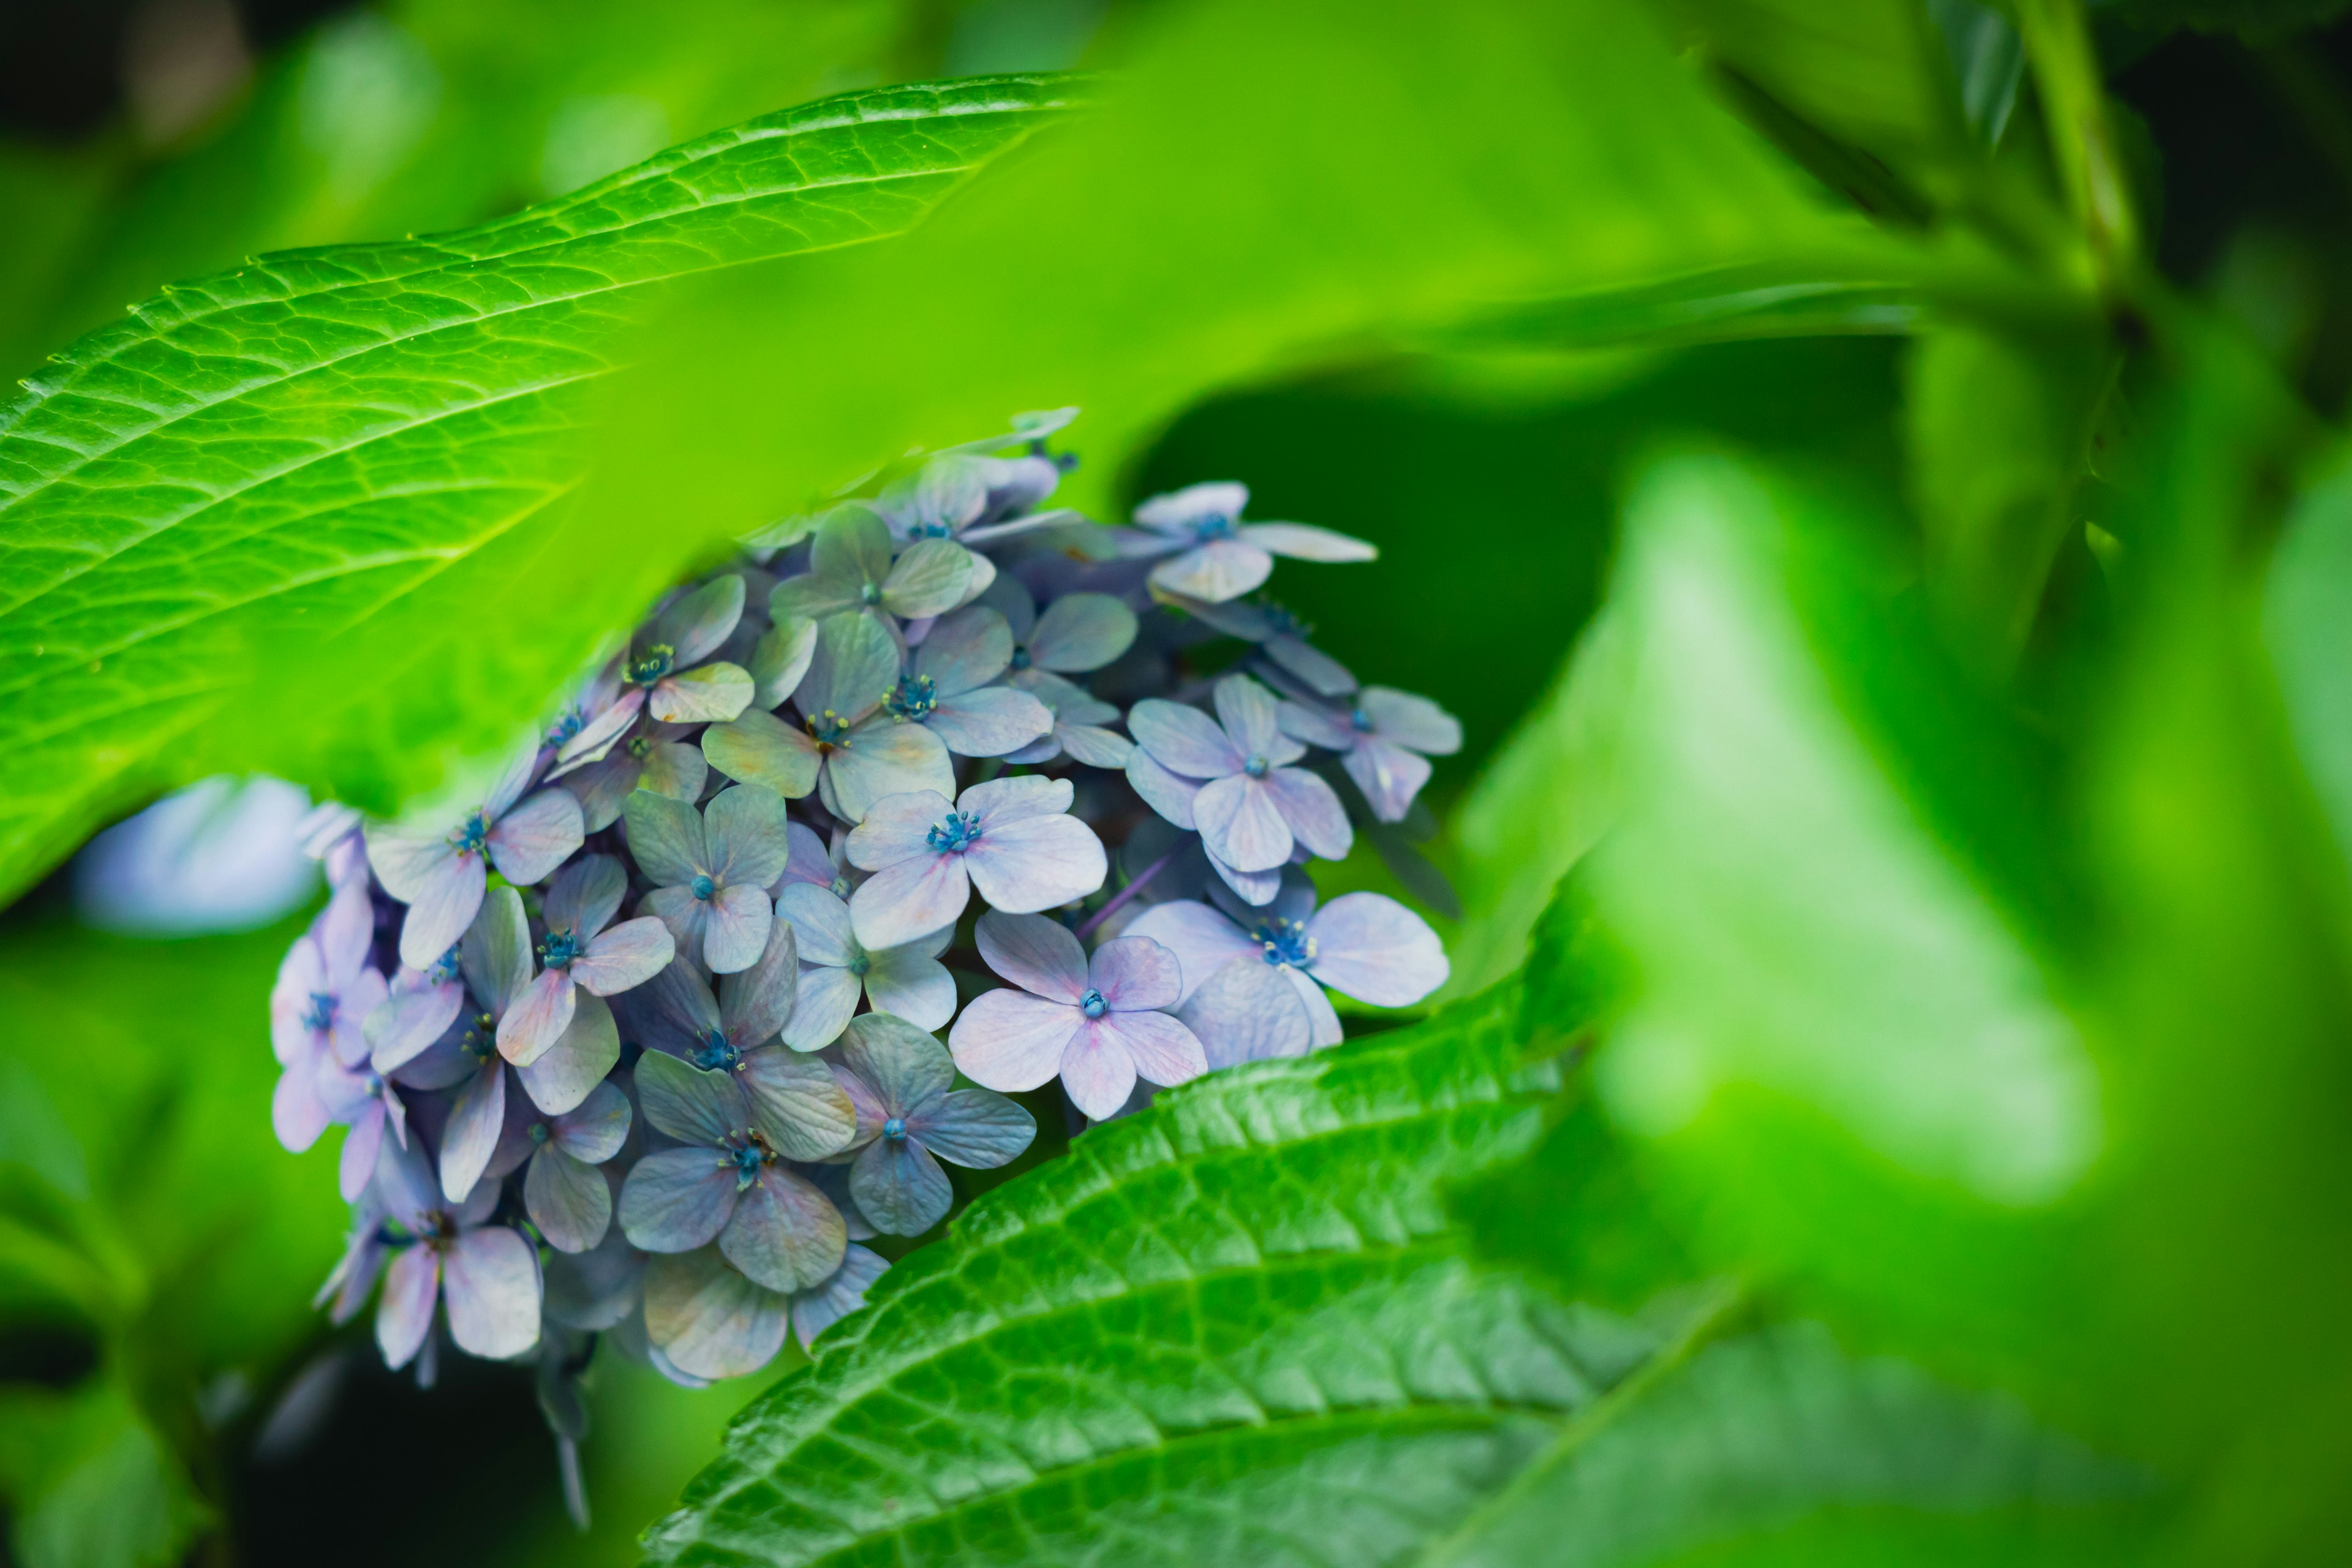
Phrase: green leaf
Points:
(90, 1484)
(263, 521)
(2307, 627)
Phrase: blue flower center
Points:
(871, 593)
(928, 531)
(321, 1015)
(1092, 1003)
(716, 1053)
(826, 729)
(913, 697)
(1282, 622)
(651, 665)
(1255, 767)
(560, 949)
(1216, 525)
(480, 1040)
(474, 836)
(748, 1156)
(571, 725)
(893, 1129)
(1286, 943)
(703, 888)
(858, 964)
(444, 968)
(1021, 658)
(1361, 721)
(954, 836)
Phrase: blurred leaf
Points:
(264, 521)
(90, 1485)
(2307, 625)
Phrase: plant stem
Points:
(2082, 138)
(1126, 893)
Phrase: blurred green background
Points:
(157, 1250)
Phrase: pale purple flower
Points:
(1285, 658)
(974, 500)
(948, 687)
(224, 854)
(852, 570)
(844, 746)
(1247, 1011)
(1078, 633)
(1364, 946)
(1230, 779)
(676, 1011)
(835, 968)
(317, 1012)
(656, 757)
(911, 1116)
(1384, 738)
(1010, 838)
(1080, 726)
(566, 1195)
(814, 863)
(663, 674)
(841, 1292)
(727, 1181)
(1100, 1023)
(414, 1034)
(707, 1319)
(496, 958)
(579, 953)
(1217, 555)
(365, 1102)
(330, 833)
(485, 1275)
(440, 876)
(711, 870)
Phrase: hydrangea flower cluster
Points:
(641, 1044)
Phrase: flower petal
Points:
(1322, 674)
(744, 829)
(1001, 801)
(403, 1316)
(672, 768)
(490, 1283)
(904, 1065)
(1305, 542)
(1136, 974)
(674, 1009)
(1096, 747)
(1313, 812)
(1039, 955)
(1257, 888)
(973, 1127)
(445, 906)
(667, 837)
(900, 1186)
(1246, 1011)
(297, 1114)
(760, 749)
(593, 1130)
(1321, 1016)
(1080, 632)
(909, 899)
(406, 862)
(1412, 721)
(570, 1203)
(1241, 824)
(1183, 739)
(598, 736)
(689, 1104)
(1219, 570)
(1164, 1051)
(736, 933)
(1098, 1074)
(785, 1234)
(930, 579)
(708, 1319)
(795, 1102)
(1203, 940)
(406, 1022)
(495, 955)
(1373, 948)
(1388, 775)
(539, 835)
(585, 895)
(965, 651)
(1179, 510)
(684, 916)
(821, 923)
(471, 1136)
(780, 660)
(712, 693)
(627, 955)
(678, 1199)
(570, 1069)
(1170, 794)
(695, 626)
(883, 757)
(909, 983)
(843, 1292)
(542, 1013)
(1037, 863)
(753, 1003)
(895, 828)
(854, 665)
(1011, 1040)
(1249, 716)
(809, 862)
(826, 997)
(989, 723)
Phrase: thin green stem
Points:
(2082, 137)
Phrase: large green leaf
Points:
(312, 515)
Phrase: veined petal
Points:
(601, 786)
(346, 1038)
(1170, 794)
(678, 1199)
(490, 1283)
(627, 955)
(403, 1316)
(1009, 597)
(1247, 1011)
(973, 1127)
(1219, 570)
(689, 1104)
(1162, 1049)
(826, 997)
(539, 835)
(1249, 716)
(852, 542)
(471, 1135)
(564, 1074)
(1203, 940)
(760, 749)
(1081, 632)
(930, 579)
(445, 904)
(815, 596)
(1183, 739)
(1012, 1041)
(1039, 955)
(406, 1022)
(737, 930)
(780, 660)
(570, 1202)
(684, 916)
(999, 802)
(1305, 542)
(1388, 775)
(900, 1186)
(1316, 727)
(708, 1319)
(808, 863)
(543, 1012)
(795, 1102)
(667, 837)
(965, 651)
(1320, 1013)
(699, 621)
(820, 922)
(1241, 824)
(1095, 746)
(1313, 812)
(585, 895)
(816, 1311)
(753, 1003)
(674, 1009)
(593, 1130)
(1037, 863)
(785, 1234)
(909, 899)
(1098, 1074)
(855, 663)
(904, 1065)
(909, 983)
(1373, 948)
(866, 1103)
(895, 828)
(1412, 721)
(744, 829)
(989, 723)
(674, 769)
(710, 693)
(1253, 887)
(883, 757)
(1135, 974)
(599, 735)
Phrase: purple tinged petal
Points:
(346, 931)
(785, 1234)
(1373, 948)
(931, 578)
(301, 974)
(599, 735)
(569, 1071)
(695, 626)
(1388, 775)
(1203, 940)
(471, 1136)
(684, 916)
(871, 1114)
(881, 758)
(1097, 1073)
(736, 931)
(1164, 1051)
(1136, 974)
(1170, 794)
(908, 984)
(1001, 802)
(1177, 511)
(909, 899)
(1095, 746)
(347, 1038)
(904, 1065)
(808, 863)
(854, 665)
(1313, 812)
(511, 783)
(900, 1186)
(753, 1003)
(496, 953)
(677, 1200)
(405, 1314)
(1248, 714)
(593, 1130)
(820, 922)
(674, 1008)
(1183, 739)
(1009, 1040)
(585, 895)
(297, 1112)
(1322, 674)
(490, 1283)
(534, 1022)
(817, 1310)
(760, 749)
(1009, 597)
(1305, 542)
(445, 905)
(1039, 955)
(1320, 1015)
(744, 829)
(1316, 727)
(895, 828)
(667, 837)
(1412, 721)
(625, 956)
(1241, 824)
(1219, 570)
(568, 1201)
(707, 1319)
(825, 999)
(1081, 632)
(404, 1023)
(965, 651)
(780, 660)
(535, 837)
(977, 1128)
(1037, 863)
(796, 1103)
(672, 768)
(689, 1104)
(713, 693)
(1247, 1011)
(989, 723)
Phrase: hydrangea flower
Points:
(1100, 1023)
(845, 747)
(656, 757)
(947, 688)
(1247, 1011)
(440, 876)
(1384, 738)
(579, 953)
(317, 1012)
(1009, 837)
(563, 1190)
(675, 1012)
(1286, 657)
(1078, 633)
(411, 1035)
(973, 499)
(780, 659)
(907, 981)
(709, 1321)
(729, 1183)
(815, 864)
(1079, 720)
(1230, 778)
(911, 1116)
(485, 1274)
(662, 673)
(711, 870)
(1364, 946)
(850, 571)
(1217, 556)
